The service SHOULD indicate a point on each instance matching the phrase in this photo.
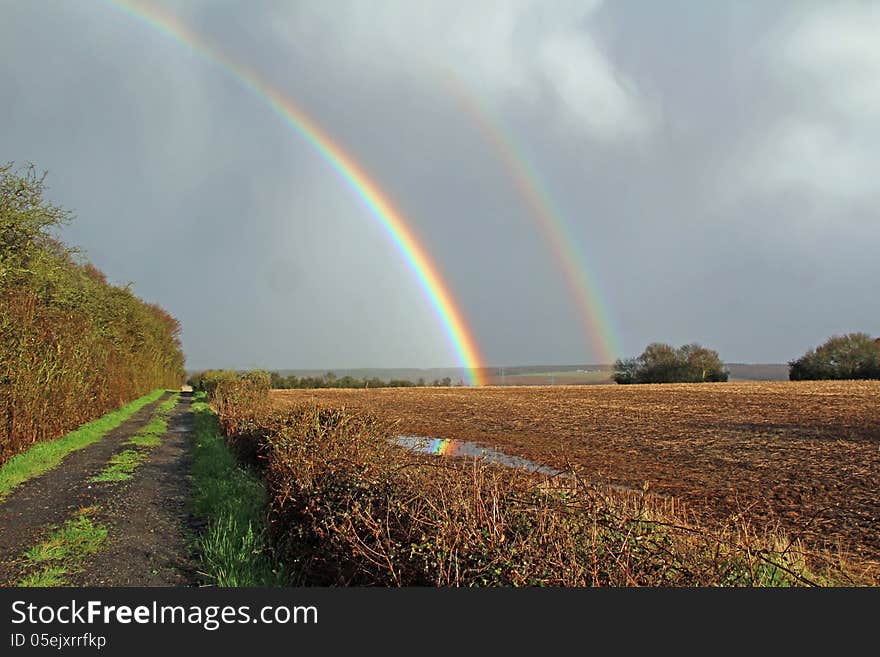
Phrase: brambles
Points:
(347, 507)
(801, 457)
(72, 346)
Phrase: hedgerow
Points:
(72, 345)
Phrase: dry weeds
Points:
(802, 458)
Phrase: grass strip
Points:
(43, 457)
(123, 464)
(65, 550)
(151, 435)
(121, 467)
(234, 547)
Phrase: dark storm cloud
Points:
(715, 163)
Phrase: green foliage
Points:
(65, 550)
(234, 546)
(72, 346)
(662, 363)
(25, 224)
(851, 356)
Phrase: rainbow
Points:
(376, 201)
(553, 227)
(441, 447)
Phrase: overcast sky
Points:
(716, 162)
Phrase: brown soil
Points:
(146, 515)
(801, 455)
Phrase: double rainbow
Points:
(592, 310)
(550, 222)
(377, 202)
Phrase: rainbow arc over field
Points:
(375, 199)
(581, 281)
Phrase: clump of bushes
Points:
(662, 363)
(851, 356)
(72, 345)
(248, 390)
(228, 388)
(208, 381)
(349, 507)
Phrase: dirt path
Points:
(148, 518)
(146, 515)
(51, 498)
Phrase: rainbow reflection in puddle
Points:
(454, 448)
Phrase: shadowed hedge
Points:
(72, 346)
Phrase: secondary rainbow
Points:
(580, 280)
(378, 203)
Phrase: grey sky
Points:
(716, 162)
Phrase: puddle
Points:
(180, 428)
(454, 448)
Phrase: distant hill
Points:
(758, 371)
(385, 373)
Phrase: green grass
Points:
(44, 456)
(123, 464)
(50, 576)
(151, 435)
(146, 440)
(64, 551)
(121, 467)
(234, 547)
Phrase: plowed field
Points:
(804, 456)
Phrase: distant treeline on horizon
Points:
(442, 377)
(330, 380)
(207, 379)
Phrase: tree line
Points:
(208, 379)
(850, 356)
(662, 363)
(72, 345)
